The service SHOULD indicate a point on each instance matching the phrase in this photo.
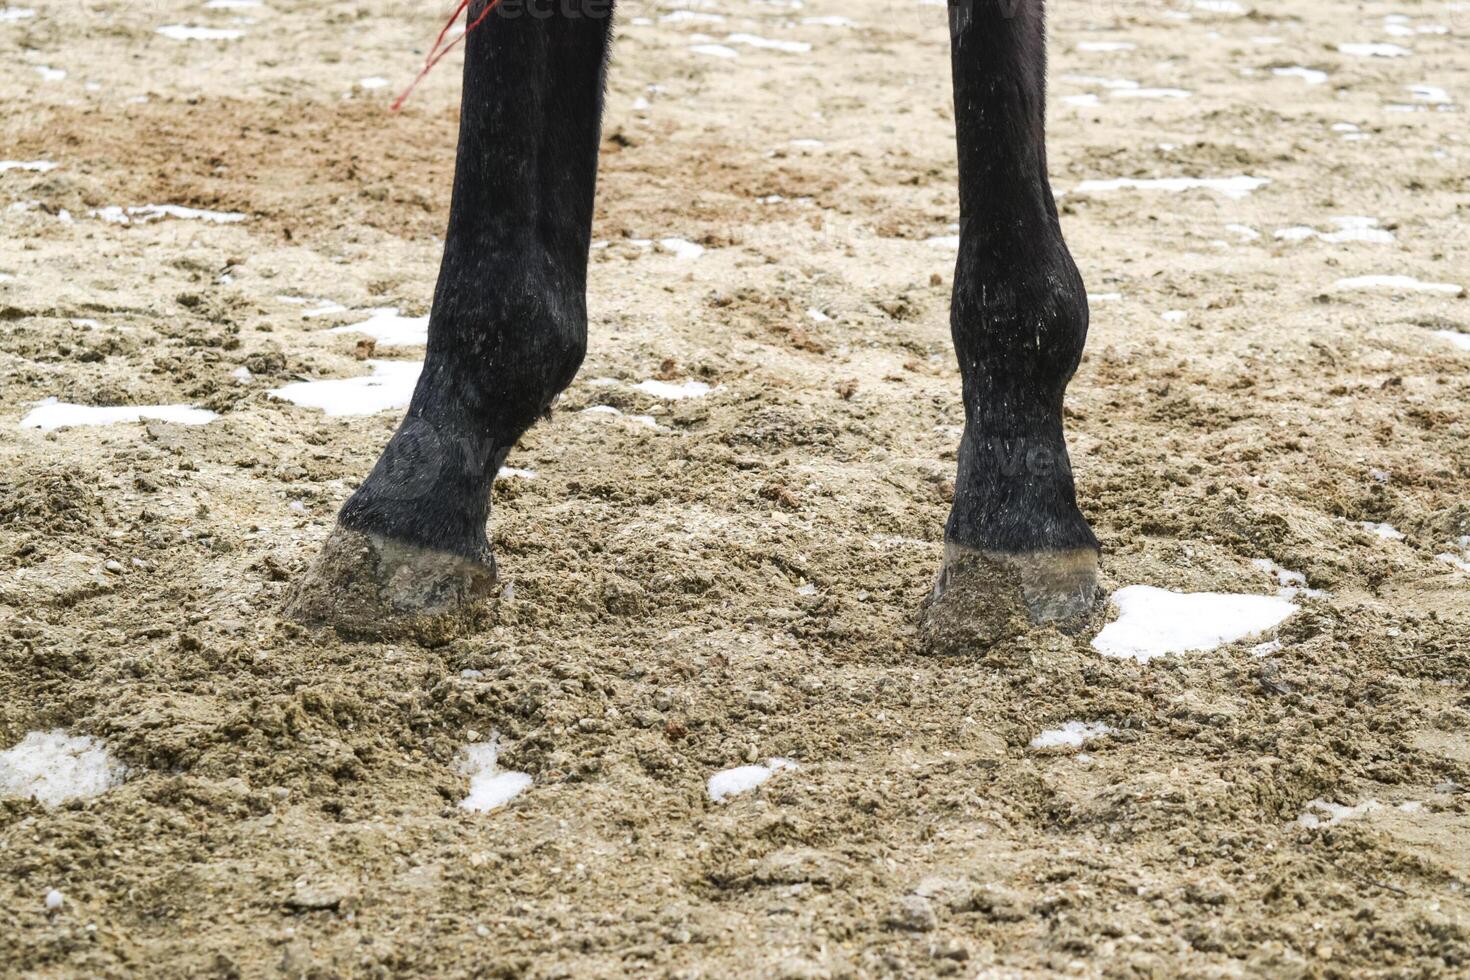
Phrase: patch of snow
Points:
(817, 316)
(681, 248)
(232, 4)
(243, 374)
(1330, 814)
(1150, 93)
(1233, 187)
(672, 392)
(54, 767)
(1072, 734)
(1406, 284)
(1104, 46)
(1229, 8)
(36, 166)
(386, 327)
(765, 43)
(1309, 75)
(1081, 100)
(9, 15)
(511, 472)
(1386, 531)
(1244, 231)
(743, 779)
(1462, 562)
(389, 386)
(1104, 297)
(1175, 316)
(1291, 582)
(373, 82)
(647, 420)
(1350, 228)
(1155, 622)
(52, 414)
(1374, 49)
(1266, 649)
(54, 900)
(1460, 340)
(49, 74)
(943, 241)
(490, 786)
(691, 17)
(829, 21)
(153, 212)
(184, 32)
(714, 50)
(1432, 94)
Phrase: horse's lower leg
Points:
(1019, 321)
(507, 331)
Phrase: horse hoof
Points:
(983, 598)
(370, 587)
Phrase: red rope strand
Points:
(440, 49)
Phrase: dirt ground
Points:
(742, 581)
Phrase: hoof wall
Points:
(984, 598)
(370, 587)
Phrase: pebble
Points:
(54, 900)
(114, 566)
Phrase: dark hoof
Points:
(370, 587)
(984, 598)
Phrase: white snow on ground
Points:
(829, 21)
(490, 786)
(12, 14)
(1406, 284)
(1226, 7)
(672, 392)
(184, 32)
(681, 248)
(1104, 297)
(1291, 582)
(389, 386)
(691, 17)
(373, 82)
(647, 420)
(1150, 93)
(1460, 340)
(743, 779)
(943, 241)
(756, 41)
(1374, 49)
(49, 74)
(52, 414)
(1072, 735)
(1155, 622)
(1104, 46)
(1350, 228)
(1460, 561)
(1432, 94)
(1386, 531)
(232, 4)
(152, 212)
(509, 472)
(714, 50)
(53, 767)
(386, 327)
(1244, 231)
(54, 900)
(1233, 187)
(37, 166)
(1309, 75)
(1330, 814)
(1350, 132)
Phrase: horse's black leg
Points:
(1019, 321)
(508, 327)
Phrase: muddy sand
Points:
(702, 583)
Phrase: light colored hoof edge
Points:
(983, 598)
(370, 587)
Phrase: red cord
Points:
(440, 49)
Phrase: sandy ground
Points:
(740, 582)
